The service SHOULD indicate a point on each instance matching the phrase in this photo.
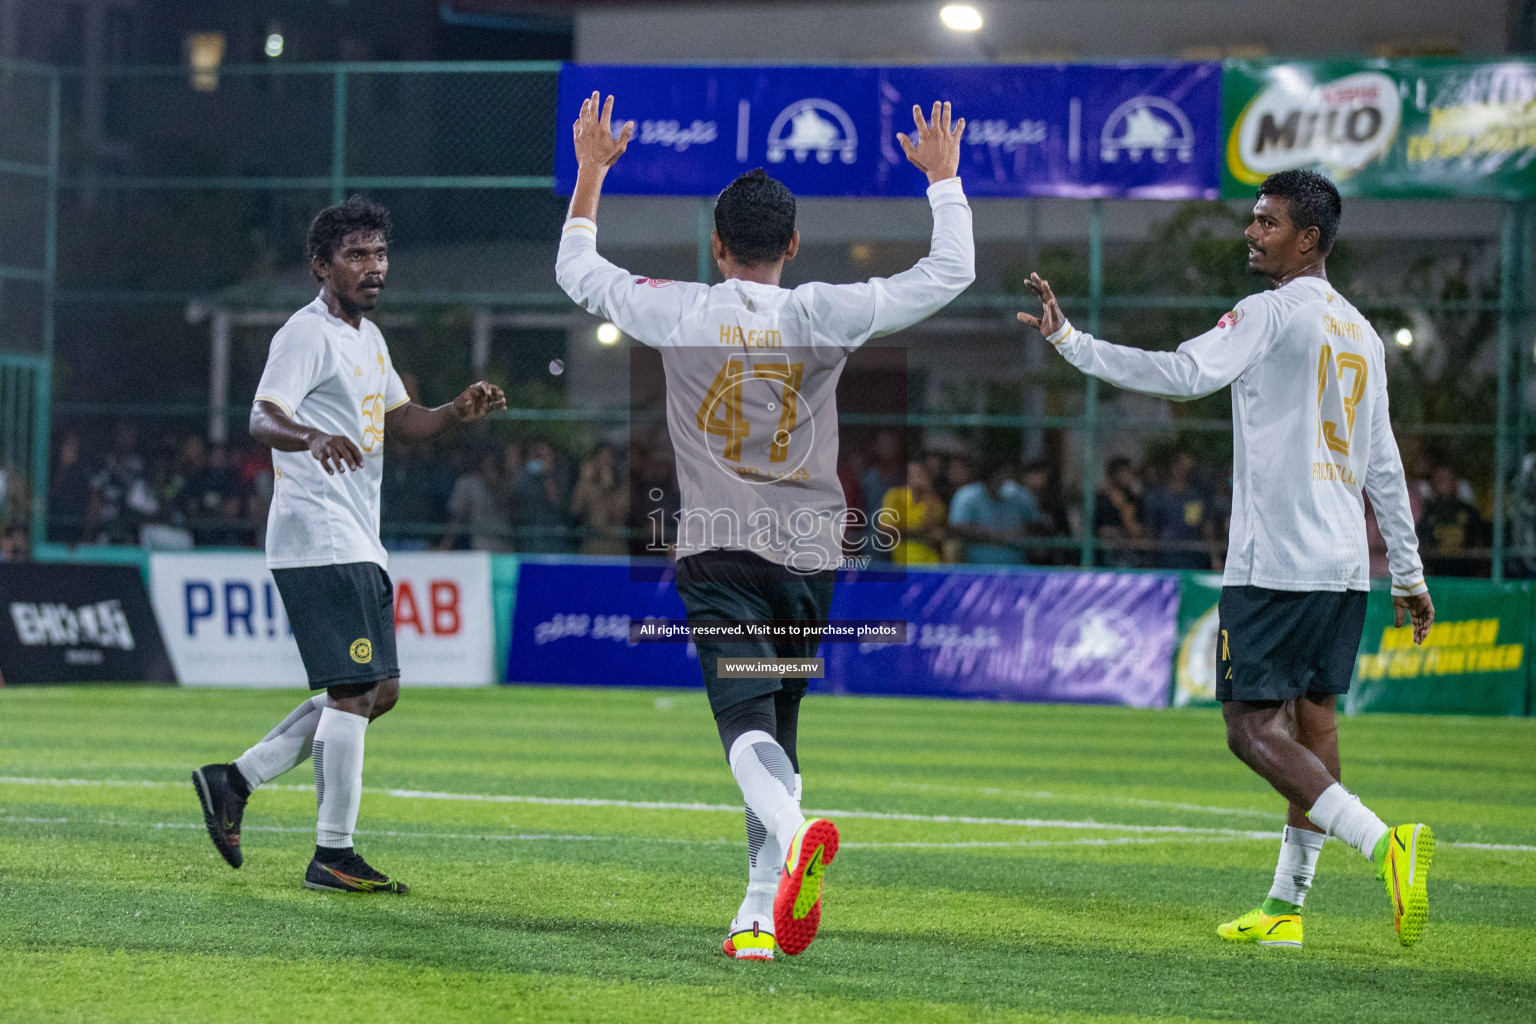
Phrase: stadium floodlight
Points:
(1403, 337)
(607, 334)
(960, 17)
(274, 47)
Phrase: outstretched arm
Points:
(418, 423)
(647, 310)
(853, 313)
(1197, 368)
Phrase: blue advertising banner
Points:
(570, 624)
(1079, 130)
(1102, 638)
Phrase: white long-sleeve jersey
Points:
(752, 373)
(1310, 434)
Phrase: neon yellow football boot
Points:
(749, 943)
(1258, 927)
(1405, 870)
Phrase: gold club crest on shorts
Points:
(361, 650)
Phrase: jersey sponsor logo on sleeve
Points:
(1230, 319)
(654, 282)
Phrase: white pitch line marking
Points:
(936, 819)
(1015, 843)
(570, 837)
(660, 805)
(1040, 794)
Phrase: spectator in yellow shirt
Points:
(917, 516)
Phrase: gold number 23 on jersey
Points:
(1329, 368)
(721, 415)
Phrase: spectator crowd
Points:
(175, 491)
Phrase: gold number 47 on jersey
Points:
(720, 413)
(1328, 429)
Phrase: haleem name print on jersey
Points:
(732, 334)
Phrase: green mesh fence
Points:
(198, 192)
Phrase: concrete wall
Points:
(1021, 30)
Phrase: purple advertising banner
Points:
(1068, 637)
(1148, 131)
(1023, 635)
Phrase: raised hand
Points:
(937, 150)
(1050, 319)
(593, 131)
(477, 401)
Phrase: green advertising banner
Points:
(1472, 663)
(1427, 128)
(1194, 663)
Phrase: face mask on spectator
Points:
(535, 466)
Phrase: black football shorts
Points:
(1280, 645)
(739, 586)
(343, 618)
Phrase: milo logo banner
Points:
(1378, 128)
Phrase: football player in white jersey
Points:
(1311, 438)
(752, 371)
(327, 399)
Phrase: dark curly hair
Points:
(1314, 202)
(334, 223)
(755, 218)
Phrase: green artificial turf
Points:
(592, 906)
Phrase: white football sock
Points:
(767, 782)
(338, 775)
(765, 864)
(283, 747)
(1341, 814)
(1298, 862)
